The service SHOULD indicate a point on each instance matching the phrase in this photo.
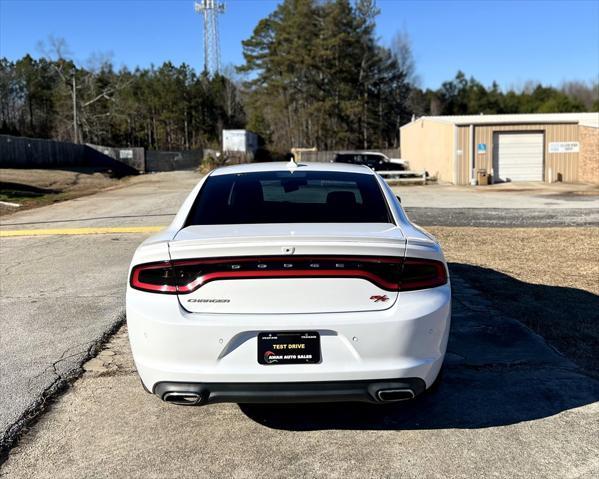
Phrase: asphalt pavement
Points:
(507, 405)
(62, 295)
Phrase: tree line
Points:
(314, 74)
(462, 96)
(167, 108)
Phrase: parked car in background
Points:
(372, 159)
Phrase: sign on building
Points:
(564, 147)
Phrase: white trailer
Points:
(239, 141)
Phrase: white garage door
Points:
(518, 156)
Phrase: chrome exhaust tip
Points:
(392, 395)
(182, 398)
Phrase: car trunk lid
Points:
(288, 268)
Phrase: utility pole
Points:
(74, 98)
(210, 9)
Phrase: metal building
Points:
(518, 147)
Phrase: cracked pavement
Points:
(61, 295)
(54, 308)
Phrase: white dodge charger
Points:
(284, 282)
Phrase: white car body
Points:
(376, 344)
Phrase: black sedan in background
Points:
(374, 160)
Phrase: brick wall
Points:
(588, 158)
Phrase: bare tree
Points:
(586, 93)
(98, 61)
(56, 48)
(530, 86)
(232, 87)
(80, 83)
(401, 47)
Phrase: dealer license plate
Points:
(289, 347)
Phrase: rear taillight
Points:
(388, 273)
(422, 274)
(154, 277)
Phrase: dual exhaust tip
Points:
(188, 398)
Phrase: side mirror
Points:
(398, 198)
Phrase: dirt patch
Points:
(548, 278)
(33, 188)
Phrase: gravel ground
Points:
(503, 217)
(548, 278)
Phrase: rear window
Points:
(289, 197)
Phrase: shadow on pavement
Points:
(497, 372)
(567, 318)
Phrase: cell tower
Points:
(210, 10)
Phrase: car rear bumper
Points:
(193, 394)
(218, 352)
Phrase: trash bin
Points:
(482, 178)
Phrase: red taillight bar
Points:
(247, 259)
(415, 273)
(300, 273)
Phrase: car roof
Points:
(285, 166)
